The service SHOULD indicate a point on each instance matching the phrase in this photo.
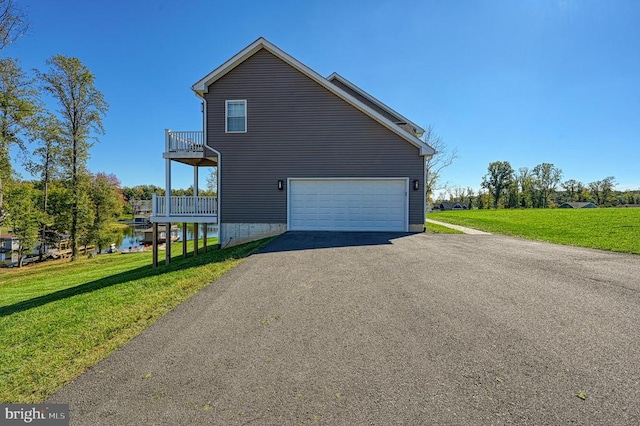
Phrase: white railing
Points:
(191, 141)
(185, 206)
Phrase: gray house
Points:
(296, 151)
(577, 205)
(452, 206)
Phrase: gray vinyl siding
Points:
(296, 128)
(366, 101)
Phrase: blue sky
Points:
(527, 81)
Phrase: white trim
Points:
(212, 220)
(289, 203)
(424, 192)
(388, 109)
(226, 115)
(406, 193)
(202, 87)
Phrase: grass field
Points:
(57, 319)
(434, 228)
(614, 229)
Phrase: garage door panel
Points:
(348, 204)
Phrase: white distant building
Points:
(8, 249)
(142, 210)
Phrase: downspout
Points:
(218, 167)
(424, 190)
(195, 188)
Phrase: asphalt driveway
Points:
(363, 328)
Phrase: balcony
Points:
(188, 147)
(189, 209)
(191, 141)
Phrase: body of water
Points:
(133, 235)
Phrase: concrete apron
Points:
(459, 228)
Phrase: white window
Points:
(236, 116)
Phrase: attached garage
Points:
(348, 204)
(314, 153)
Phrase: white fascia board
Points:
(352, 86)
(201, 87)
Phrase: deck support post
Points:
(167, 178)
(167, 251)
(154, 244)
(195, 238)
(204, 236)
(184, 239)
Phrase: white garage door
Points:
(348, 204)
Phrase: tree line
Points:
(145, 192)
(539, 187)
(65, 199)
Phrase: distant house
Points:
(453, 206)
(577, 206)
(141, 207)
(8, 249)
(142, 210)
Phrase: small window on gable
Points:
(236, 116)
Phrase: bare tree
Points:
(442, 196)
(212, 181)
(456, 194)
(13, 23)
(436, 163)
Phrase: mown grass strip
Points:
(434, 228)
(56, 320)
(613, 229)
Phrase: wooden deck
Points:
(64, 250)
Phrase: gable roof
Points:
(202, 87)
(337, 77)
(448, 205)
(577, 205)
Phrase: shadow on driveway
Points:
(308, 240)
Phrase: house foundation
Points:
(416, 227)
(232, 234)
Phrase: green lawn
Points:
(614, 229)
(58, 319)
(439, 229)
